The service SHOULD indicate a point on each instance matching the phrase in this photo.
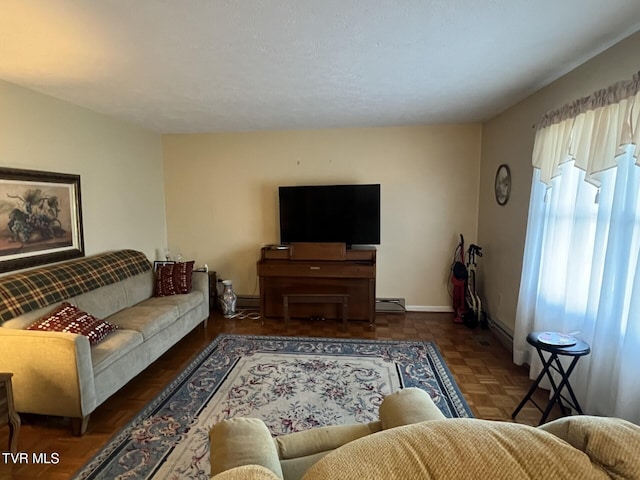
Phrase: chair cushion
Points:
(611, 443)
(246, 472)
(463, 449)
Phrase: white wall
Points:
(508, 138)
(120, 166)
(222, 203)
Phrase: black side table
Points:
(576, 351)
(213, 291)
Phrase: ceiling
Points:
(235, 65)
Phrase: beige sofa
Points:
(60, 374)
(577, 447)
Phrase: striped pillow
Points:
(68, 318)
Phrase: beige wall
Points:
(120, 166)
(508, 139)
(222, 203)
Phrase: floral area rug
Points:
(291, 383)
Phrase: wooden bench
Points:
(340, 299)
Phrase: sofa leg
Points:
(79, 425)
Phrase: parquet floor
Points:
(492, 385)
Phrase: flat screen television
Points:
(330, 213)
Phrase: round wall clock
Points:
(503, 184)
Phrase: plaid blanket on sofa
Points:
(33, 289)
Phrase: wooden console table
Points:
(8, 414)
(319, 277)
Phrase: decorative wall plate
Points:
(503, 184)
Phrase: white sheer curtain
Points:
(581, 269)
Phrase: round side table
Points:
(579, 349)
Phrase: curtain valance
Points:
(592, 131)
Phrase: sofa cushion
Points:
(174, 279)
(115, 346)
(68, 318)
(184, 303)
(102, 302)
(146, 319)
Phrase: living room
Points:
(212, 196)
(139, 187)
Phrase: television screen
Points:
(330, 213)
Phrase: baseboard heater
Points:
(501, 333)
(383, 305)
(390, 305)
(248, 302)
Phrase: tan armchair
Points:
(247, 441)
(584, 447)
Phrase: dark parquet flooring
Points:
(481, 365)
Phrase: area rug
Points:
(291, 383)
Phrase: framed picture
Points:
(503, 184)
(40, 218)
(160, 263)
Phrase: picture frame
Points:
(40, 218)
(161, 263)
(502, 184)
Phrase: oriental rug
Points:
(291, 383)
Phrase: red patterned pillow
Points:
(174, 279)
(67, 318)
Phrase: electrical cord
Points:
(244, 314)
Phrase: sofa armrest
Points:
(242, 441)
(407, 406)
(200, 282)
(52, 371)
(611, 443)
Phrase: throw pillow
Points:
(67, 318)
(174, 279)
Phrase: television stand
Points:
(319, 271)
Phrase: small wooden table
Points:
(8, 413)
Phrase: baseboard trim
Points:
(430, 308)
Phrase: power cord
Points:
(244, 314)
